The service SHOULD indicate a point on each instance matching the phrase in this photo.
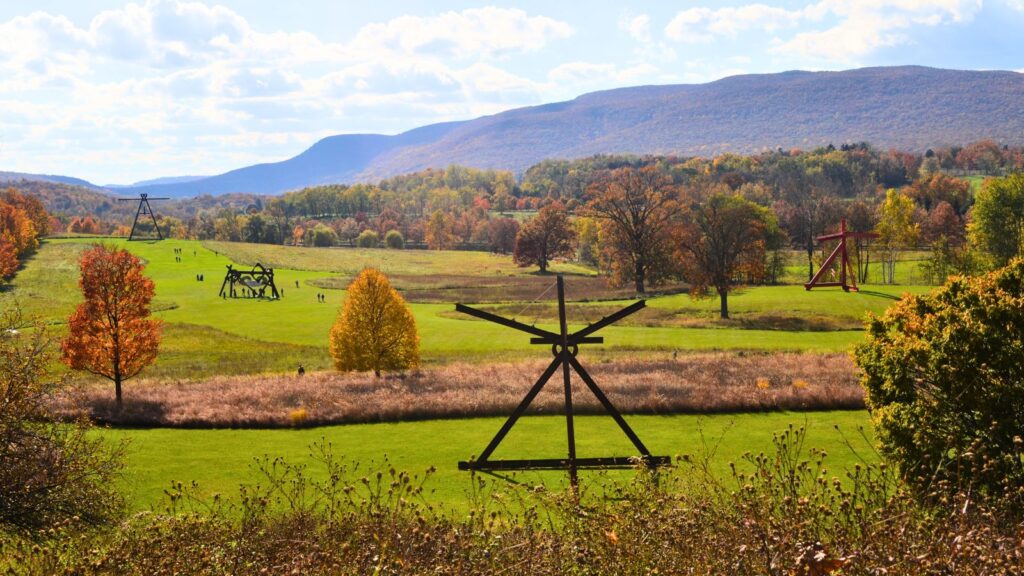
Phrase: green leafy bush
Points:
(393, 239)
(368, 239)
(944, 375)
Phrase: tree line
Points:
(23, 219)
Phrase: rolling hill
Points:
(907, 107)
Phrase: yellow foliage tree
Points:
(375, 329)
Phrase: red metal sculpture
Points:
(844, 260)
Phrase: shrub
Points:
(368, 239)
(375, 329)
(944, 375)
(323, 236)
(298, 417)
(49, 473)
(776, 513)
(393, 239)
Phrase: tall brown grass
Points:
(699, 383)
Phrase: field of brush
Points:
(227, 366)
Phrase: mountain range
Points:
(905, 107)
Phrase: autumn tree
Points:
(636, 207)
(17, 228)
(943, 222)
(997, 220)
(501, 234)
(32, 207)
(375, 329)
(588, 247)
(440, 233)
(547, 236)
(932, 190)
(111, 333)
(804, 215)
(722, 240)
(896, 229)
(8, 258)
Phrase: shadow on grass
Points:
(879, 294)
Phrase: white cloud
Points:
(648, 49)
(471, 33)
(639, 27)
(704, 24)
(138, 83)
(834, 30)
(866, 26)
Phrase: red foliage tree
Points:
(943, 221)
(111, 334)
(931, 191)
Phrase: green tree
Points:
(322, 236)
(997, 219)
(897, 230)
(368, 239)
(394, 240)
(944, 375)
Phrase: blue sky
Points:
(116, 91)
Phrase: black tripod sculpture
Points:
(564, 346)
(144, 210)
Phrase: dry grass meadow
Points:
(698, 383)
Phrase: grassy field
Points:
(220, 460)
(210, 335)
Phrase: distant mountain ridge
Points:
(16, 176)
(156, 181)
(904, 107)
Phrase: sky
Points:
(116, 92)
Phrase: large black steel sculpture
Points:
(255, 283)
(144, 210)
(564, 346)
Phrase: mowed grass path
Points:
(207, 334)
(221, 460)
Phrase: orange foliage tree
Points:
(8, 258)
(86, 225)
(375, 329)
(637, 207)
(33, 208)
(16, 227)
(111, 333)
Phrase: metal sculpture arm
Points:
(634, 307)
(507, 322)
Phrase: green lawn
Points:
(206, 334)
(220, 460)
(349, 261)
